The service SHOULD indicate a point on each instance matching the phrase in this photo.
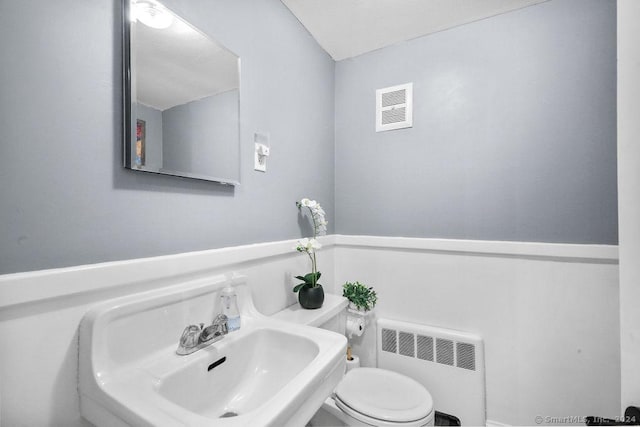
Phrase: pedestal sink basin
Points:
(248, 370)
(268, 373)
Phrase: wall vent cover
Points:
(394, 107)
(442, 350)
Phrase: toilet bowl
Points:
(364, 396)
(378, 397)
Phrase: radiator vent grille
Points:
(407, 344)
(389, 342)
(444, 352)
(466, 356)
(425, 348)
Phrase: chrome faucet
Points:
(195, 337)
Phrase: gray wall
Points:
(65, 198)
(514, 134)
(513, 137)
(202, 136)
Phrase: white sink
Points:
(269, 373)
(252, 368)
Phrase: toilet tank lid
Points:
(385, 395)
(332, 306)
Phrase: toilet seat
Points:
(383, 398)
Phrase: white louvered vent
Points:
(421, 347)
(394, 107)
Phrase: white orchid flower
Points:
(302, 245)
(310, 246)
(314, 244)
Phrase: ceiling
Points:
(179, 64)
(347, 28)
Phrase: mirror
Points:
(181, 96)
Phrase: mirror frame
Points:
(128, 101)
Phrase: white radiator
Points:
(449, 363)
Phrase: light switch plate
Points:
(259, 162)
(261, 150)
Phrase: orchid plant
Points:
(310, 246)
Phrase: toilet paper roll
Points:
(355, 326)
(354, 363)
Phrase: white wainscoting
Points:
(548, 314)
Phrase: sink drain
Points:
(229, 415)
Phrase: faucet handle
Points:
(221, 323)
(221, 319)
(190, 336)
(216, 330)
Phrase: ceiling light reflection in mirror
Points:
(152, 15)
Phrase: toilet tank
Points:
(331, 316)
(337, 323)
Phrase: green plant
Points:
(363, 297)
(308, 280)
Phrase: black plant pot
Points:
(311, 297)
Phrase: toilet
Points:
(376, 397)
(364, 396)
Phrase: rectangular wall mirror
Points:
(181, 97)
